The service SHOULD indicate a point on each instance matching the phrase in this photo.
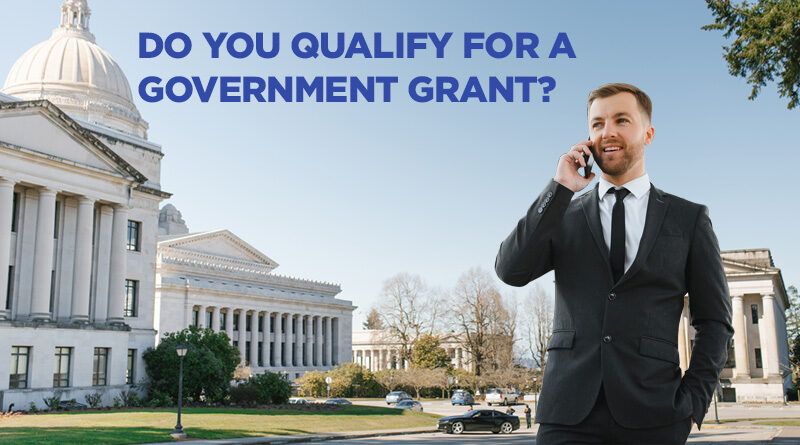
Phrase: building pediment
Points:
(41, 129)
(221, 244)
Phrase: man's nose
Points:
(609, 132)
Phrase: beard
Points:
(620, 165)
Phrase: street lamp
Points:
(178, 433)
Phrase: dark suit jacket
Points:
(624, 334)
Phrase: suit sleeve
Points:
(526, 253)
(710, 309)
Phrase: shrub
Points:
(52, 402)
(352, 380)
(245, 393)
(208, 365)
(160, 399)
(32, 408)
(128, 399)
(272, 388)
(94, 399)
(313, 384)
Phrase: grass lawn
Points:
(154, 425)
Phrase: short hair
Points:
(610, 89)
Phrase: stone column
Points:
(265, 335)
(6, 210)
(328, 346)
(301, 339)
(82, 272)
(769, 341)
(254, 338)
(201, 316)
(287, 351)
(43, 255)
(309, 358)
(740, 338)
(229, 323)
(242, 335)
(278, 340)
(117, 271)
(215, 319)
(318, 341)
(103, 260)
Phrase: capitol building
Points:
(96, 269)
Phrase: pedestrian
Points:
(622, 253)
(528, 415)
(470, 408)
(510, 411)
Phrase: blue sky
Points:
(355, 193)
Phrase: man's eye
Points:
(595, 125)
(622, 119)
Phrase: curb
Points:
(304, 438)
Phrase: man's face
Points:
(619, 131)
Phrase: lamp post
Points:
(178, 433)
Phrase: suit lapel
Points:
(591, 209)
(656, 209)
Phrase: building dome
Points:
(70, 70)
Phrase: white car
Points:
(501, 396)
(297, 400)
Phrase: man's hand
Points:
(568, 164)
(692, 420)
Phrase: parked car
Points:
(297, 400)
(462, 397)
(413, 405)
(479, 420)
(397, 396)
(338, 402)
(501, 396)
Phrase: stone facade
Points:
(216, 280)
(377, 350)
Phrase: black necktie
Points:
(618, 234)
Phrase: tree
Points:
(272, 388)
(405, 311)
(373, 320)
(794, 359)
(793, 313)
(207, 367)
(389, 379)
(767, 42)
(537, 324)
(483, 318)
(313, 384)
(427, 353)
(352, 380)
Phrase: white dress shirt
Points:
(635, 213)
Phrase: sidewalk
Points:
(299, 438)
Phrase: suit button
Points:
(612, 296)
(549, 194)
(540, 209)
(607, 339)
(546, 200)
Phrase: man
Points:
(624, 256)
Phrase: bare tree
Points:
(537, 324)
(484, 320)
(405, 311)
(389, 379)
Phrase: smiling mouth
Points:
(612, 149)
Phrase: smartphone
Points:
(589, 163)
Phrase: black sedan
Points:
(479, 420)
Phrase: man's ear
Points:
(648, 138)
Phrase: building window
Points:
(131, 297)
(261, 353)
(100, 367)
(223, 318)
(731, 361)
(134, 229)
(61, 372)
(247, 325)
(55, 224)
(10, 287)
(19, 367)
(15, 213)
(129, 371)
(209, 318)
(261, 322)
(754, 313)
(236, 321)
(52, 290)
(271, 323)
(247, 353)
(758, 358)
(195, 314)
